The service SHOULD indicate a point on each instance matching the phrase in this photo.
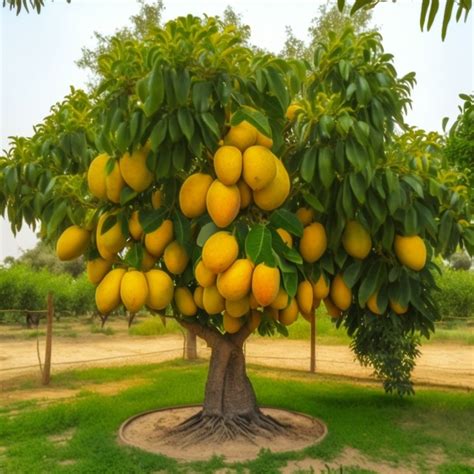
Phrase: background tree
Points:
(144, 176)
(43, 257)
(328, 19)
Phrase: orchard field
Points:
(248, 260)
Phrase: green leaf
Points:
(432, 14)
(164, 163)
(352, 273)
(186, 123)
(356, 154)
(158, 134)
(134, 256)
(254, 117)
(181, 228)
(289, 276)
(109, 222)
(278, 87)
(258, 245)
(410, 222)
(358, 186)
(374, 277)
(308, 164)
(123, 137)
(313, 201)
(182, 85)
(288, 221)
(363, 92)
(358, 4)
(126, 195)
(414, 183)
(156, 91)
(141, 88)
(326, 166)
(283, 250)
(205, 232)
(211, 124)
(448, 10)
(179, 156)
(150, 220)
(201, 96)
(424, 11)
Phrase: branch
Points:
(240, 337)
(210, 335)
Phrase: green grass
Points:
(153, 326)
(382, 427)
(97, 329)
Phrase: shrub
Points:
(456, 295)
(22, 287)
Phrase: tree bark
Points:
(191, 345)
(230, 408)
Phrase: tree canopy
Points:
(358, 209)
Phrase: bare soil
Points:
(148, 432)
(444, 364)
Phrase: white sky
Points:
(38, 52)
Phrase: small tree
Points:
(234, 190)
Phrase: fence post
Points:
(49, 340)
(312, 366)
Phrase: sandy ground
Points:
(149, 432)
(450, 365)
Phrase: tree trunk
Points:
(230, 407)
(190, 345)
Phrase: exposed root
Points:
(204, 428)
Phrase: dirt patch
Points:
(62, 438)
(443, 364)
(67, 462)
(49, 395)
(148, 432)
(348, 458)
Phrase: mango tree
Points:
(232, 191)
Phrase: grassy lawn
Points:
(405, 432)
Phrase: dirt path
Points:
(451, 365)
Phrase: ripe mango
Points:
(289, 314)
(192, 195)
(220, 251)
(72, 243)
(204, 276)
(332, 309)
(223, 203)
(156, 241)
(245, 194)
(396, 307)
(134, 290)
(356, 240)
(241, 136)
(160, 289)
(282, 300)
(235, 282)
(265, 284)
(410, 251)
(113, 239)
(114, 184)
(185, 302)
(176, 258)
(134, 170)
(237, 308)
(274, 194)
(107, 294)
(212, 300)
(321, 288)
(372, 304)
(341, 294)
(134, 226)
(304, 296)
(305, 215)
(96, 176)
(285, 236)
(259, 167)
(231, 324)
(228, 164)
(313, 243)
(97, 269)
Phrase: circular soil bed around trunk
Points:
(148, 431)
